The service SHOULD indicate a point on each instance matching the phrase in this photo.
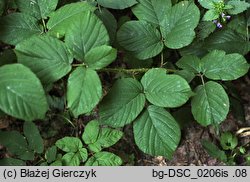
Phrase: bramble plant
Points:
(135, 71)
(230, 149)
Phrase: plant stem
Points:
(77, 65)
(202, 79)
(44, 25)
(131, 71)
(162, 59)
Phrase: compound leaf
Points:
(219, 66)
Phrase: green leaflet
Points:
(216, 65)
(238, 6)
(94, 35)
(165, 90)
(156, 132)
(69, 144)
(21, 93)
(210, 105)
(219, 66)
(37, 8)
(100, 57)
(109, 21)
(117, 4)
(104, 159)
(227, 40)
(177, 27)
(84, 90)
(50, 154)
(211, 15)
(214, 151)
(48, 57)
(74, 159)
(208, 4)
(98, 138)
(107, 137)
(228, 141)
(140, 38)
(123, 103)
(91, 132)
(14, 142)
(190, 63)
(61, 19)
(152, 11)
(33, 137)
(14, 28)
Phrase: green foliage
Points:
(156, 132)
(61, 19)
(23, 147)
(123, 103)
(95, 34)
(210, 105)
(71, 61)
(231, 149)
(165, 90)
(214, 151)
(82, 100)
(22, 95)
(228, 141)
(117, 4)
(96, 138)
(145, 41)
(14, 28)
(238, 6)
(37, 8)
(46, 56)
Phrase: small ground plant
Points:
(103, 65)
